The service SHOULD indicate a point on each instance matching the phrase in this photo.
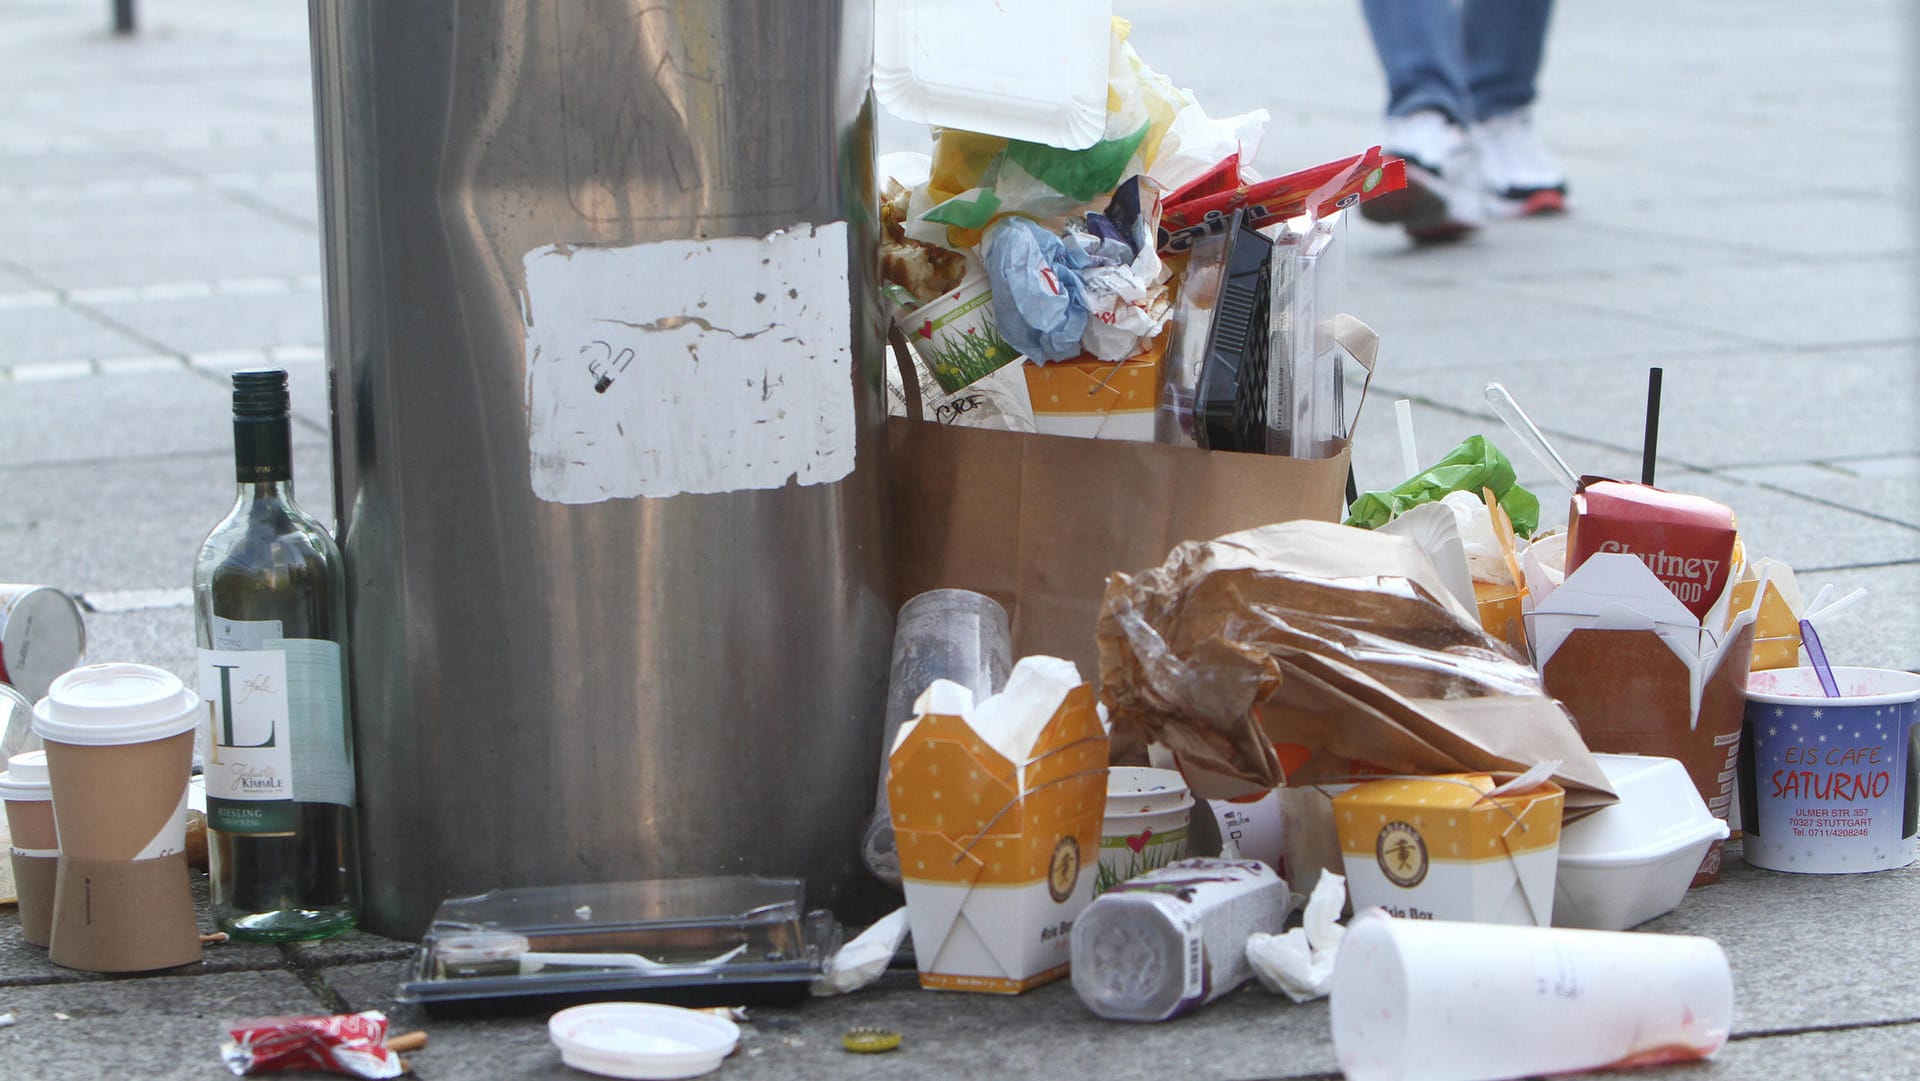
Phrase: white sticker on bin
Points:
(689, 366)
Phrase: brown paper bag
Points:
(1037, 522)
(1340, 646)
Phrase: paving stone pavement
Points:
(1742, 216)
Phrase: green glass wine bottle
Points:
(270, 612)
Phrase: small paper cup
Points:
(1133, 844)
(956, 337)
(1476, 1002)
(1144, 790)
(1829, 785)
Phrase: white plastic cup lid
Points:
(26, 777)
(642, 1039)
(109, 705)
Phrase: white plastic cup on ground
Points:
(1447, 1001)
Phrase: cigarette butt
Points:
(213, 939)
(409, 1041)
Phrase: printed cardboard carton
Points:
(1642, 674)
(1098, 399)
(997, 857)
(1452, 848)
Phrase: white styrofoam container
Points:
(1025, 71)
(1629, 862)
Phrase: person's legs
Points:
(1505, 41)
(1423, 50)
(1422, 47)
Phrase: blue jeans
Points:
(1470, 59)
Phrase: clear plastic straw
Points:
(1516, 419)
(1831, 610)
(1409, 455)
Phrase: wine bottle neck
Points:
(275, 491)
(262, 450)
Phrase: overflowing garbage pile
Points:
(1499, 740)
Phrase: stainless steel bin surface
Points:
(606, 376)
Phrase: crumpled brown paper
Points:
(1337, 646)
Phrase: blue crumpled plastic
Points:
(1039, 298)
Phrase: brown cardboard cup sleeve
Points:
(33, 879)
(123, 916)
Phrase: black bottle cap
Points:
(260, 394)
(262, 442)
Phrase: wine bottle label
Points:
(275, 728)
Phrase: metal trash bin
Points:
(606, 379)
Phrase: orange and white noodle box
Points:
(998, 850)
(1452, 848)
(1098, 399)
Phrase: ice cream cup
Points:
(1828, 785)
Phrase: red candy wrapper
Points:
(354, 1044)
(1206, 204)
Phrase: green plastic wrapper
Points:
(1469, 467)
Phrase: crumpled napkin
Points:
(1039, 297)
(1299, 963)
(862, 961)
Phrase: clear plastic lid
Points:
(731, 938)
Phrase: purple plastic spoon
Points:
(1819, 658)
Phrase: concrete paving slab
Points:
(25, 162)
(1045, 1032)
(1465, 329)
(1866, 1054)
(160, 636)
(1750, 408)
(163, 1028)
(162, 511)
(208, 324)
(150, 237)
(1818, 227)
(1574, 248)
(1805, 533)
(285, 160)
(114, 418)
(1880, 631)
(1856, 303)
(1771, 927)
(49, 334)
(1886, 485)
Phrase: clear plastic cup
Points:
(951, 634)
(1448, 1001)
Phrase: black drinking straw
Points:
(1653, 426)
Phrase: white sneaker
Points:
(1443, 196)
(1522, 178)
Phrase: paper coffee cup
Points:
(1475, 1002)
(119, 747)
(1146, 823)
(35, 851)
